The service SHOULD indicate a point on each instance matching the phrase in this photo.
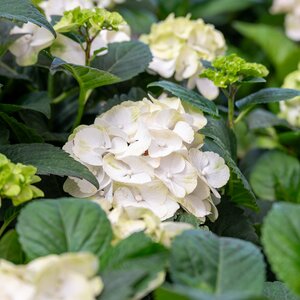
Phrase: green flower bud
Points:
(16, 181)
(92, 19)
(227, 70)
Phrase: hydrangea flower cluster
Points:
(146, 154)
(292, 18)
(16, 181)
(290, 110)
(226, 70)
(179, 44)
(67, 276)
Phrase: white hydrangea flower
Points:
(211, 169)
(292, 18)
(178, 45)
(27, 48)
(147, 154)
(69, 276)
(290, 110)
(154, 196)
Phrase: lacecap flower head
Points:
(147, 154)
(179, 44)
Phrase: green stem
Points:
(51, 85)
(231, 98)
(83, 97)
(65, 95)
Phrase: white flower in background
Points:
(34, 39)
(70, 276)
(290, 110)
(56, 8)
(178, 45)
(292, 18)
(147, 155)
(71, 51)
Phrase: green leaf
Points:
(281, 241)
(137, 253)
(23, 11)
(219, 139)
(190, 97)
(284, 54)
(260, 118)
(88, 79)
(36, 101)
(216, 265)
(23, 133)
(180, 292)
(63, 225)
(276, 176)
(267, 95)
(48, 159)
(125, 60)
(10, 248)
(277, 290)
(121, 284)
(4, 136)
(232, 222)
(215, 7)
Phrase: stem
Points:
(83, 97)
(65, 95)
(50, 85)
(231, 98)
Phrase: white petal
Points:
(164, 68)
(185, 131)
(207, 88)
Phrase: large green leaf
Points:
(125, 60)
(215, 7)
(216, 265)
(283, 53)
(36, 101)
(49, 160)
(22, 132)
(88, 78)
(10, 248)
(267, 95)
(63, 225)
(137, 254)
(276, 176)
(189, 96)
(281, 241)
(23, 11)
(260, 118)
(277, 290)
(180, 292)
